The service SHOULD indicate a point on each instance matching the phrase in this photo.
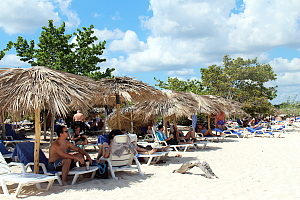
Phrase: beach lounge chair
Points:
(122, 155)
(238, 134)
(25, 154)
(21, 178)
(259, 132)
(176, 147)
(150, 158)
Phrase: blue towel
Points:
(25, 153)
(102, 139)
(3, 149)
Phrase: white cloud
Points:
(12, 60)
(193, 33)
(107, 34)
(129, 43)
(73, 19)
(183, 72)
(283, 65)
(26, 15)
(116, 16)
(265, 24)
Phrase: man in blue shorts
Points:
(62, 161)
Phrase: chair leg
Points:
(138, 165)
(58, 179)
(50, 183)
(75, 179)
(112, 173)
(5, 190)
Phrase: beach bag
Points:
(102, 171)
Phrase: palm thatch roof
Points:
(130, 120)
(129, 89)
(170, 104)
(24, 90)
(205, 105)
(176, 104)
(227, 106)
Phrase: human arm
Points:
(74, 137)
(82, 152)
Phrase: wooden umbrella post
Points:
(118, 103)
(166, 126)
(37, 140)
(52, 128)
(3, 126)
(208, 122)
(44, 125)
(131, 123)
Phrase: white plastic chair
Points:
(124, 161)
(21, 178)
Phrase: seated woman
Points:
(79, 138)
(180, 136)
(205, 132)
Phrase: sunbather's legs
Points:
(208, 132)
(147, 152)
(189, 135)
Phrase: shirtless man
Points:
(79, 119)
(220, 121)
(60, 160)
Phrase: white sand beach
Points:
(248, 168)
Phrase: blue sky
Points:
(147, 39)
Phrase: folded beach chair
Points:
(25, 154)
(21, 178)
(122, 154)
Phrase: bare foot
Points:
(152, 151)
(64, 184)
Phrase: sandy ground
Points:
(248, 168)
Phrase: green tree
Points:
(291, 107)
(243, 81)
(55, 51)
(194, 86)
(3, 52)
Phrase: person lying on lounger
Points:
(169, 140)
(205, 132)
(180, 136)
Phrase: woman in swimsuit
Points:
(79, 138)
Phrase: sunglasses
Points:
(66, 131)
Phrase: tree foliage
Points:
(55, 51)
(291, 107)
(194, 86)
(243, 81)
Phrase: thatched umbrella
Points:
(173, 104)
(39, 88)
(122, 89)
(227, 106)
(130, 120)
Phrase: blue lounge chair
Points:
(255, 132)
(25, 154)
